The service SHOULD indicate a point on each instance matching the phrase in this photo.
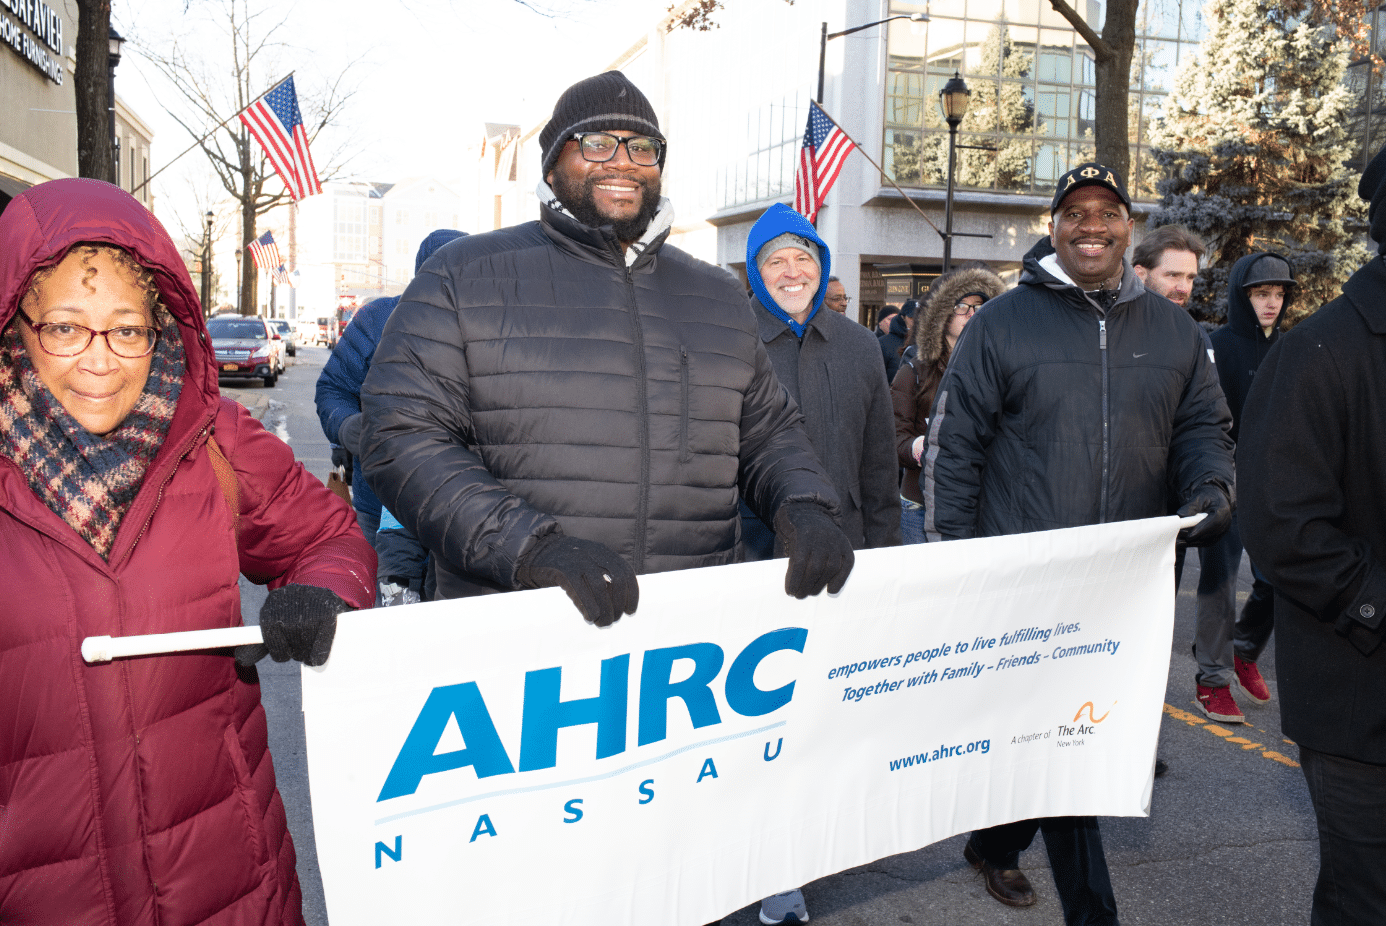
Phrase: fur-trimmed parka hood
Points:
(932, 323)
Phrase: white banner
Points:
(497, 760)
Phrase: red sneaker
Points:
(1217, 703)
(1250, 681)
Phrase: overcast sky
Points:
(429, 72)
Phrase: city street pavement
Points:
(1230, 840)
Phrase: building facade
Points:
(38, 118)
(733, 102)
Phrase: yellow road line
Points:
(1242, 742)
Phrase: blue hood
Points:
(777, 220)
(434, 241)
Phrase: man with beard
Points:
(1167, 259)
(1074, 399)
(575, 402)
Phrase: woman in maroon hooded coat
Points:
(141, 791)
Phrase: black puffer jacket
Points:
(529, 381)
(1240, 345)
(1053, 414)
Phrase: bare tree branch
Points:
(209, 90)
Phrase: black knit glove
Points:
(819, 552)
(600, 583)
(1212, 499)
(297, 622)
(341, 457)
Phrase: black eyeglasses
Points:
(64, 339)
(964, 308)
(600, 147)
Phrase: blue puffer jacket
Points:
(338, 395)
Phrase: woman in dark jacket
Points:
(132, 497)
(936, 330)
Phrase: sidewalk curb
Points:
(257, 402)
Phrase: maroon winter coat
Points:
(141, 791)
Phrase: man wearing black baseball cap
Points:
(1076, 398)
(574, 402)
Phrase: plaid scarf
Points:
(88, 481)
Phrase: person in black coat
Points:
(1260, 289)
(1121, 386)
(1311, 470)
(897, 336)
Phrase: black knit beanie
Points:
(597, 104)
(1372, 188)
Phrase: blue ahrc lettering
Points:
(394, 854)
(656, 690)
(484, 752)
(484, 827)
(742, 694)
(545, 714)
(708, 770)
(778, 746)
(646, 790)
(574, 810)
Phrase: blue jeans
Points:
(911, 521)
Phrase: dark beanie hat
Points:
(1372, 188)
(597, 104)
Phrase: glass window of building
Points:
(1032, 80)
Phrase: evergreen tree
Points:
(997, 106)
(1254, 140)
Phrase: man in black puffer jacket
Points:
(574, 402)
(1074, 399)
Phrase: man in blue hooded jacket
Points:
(831, 367)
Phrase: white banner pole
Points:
(104, 649)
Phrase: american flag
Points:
(824, 150)
(265, 253)
(277, 125)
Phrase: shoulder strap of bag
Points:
(226, 478)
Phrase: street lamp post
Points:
(823, 42)
(207, 266)
(114, 41)
(954, 96)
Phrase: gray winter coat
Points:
(835, 376)
(531, 382)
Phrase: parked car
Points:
(287, 332)
(246, 348)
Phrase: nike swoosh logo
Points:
(1139, 356)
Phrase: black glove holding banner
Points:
(1213, 500)
(600, 583)
(819, 552)
(297, 622)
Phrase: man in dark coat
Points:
(828, 363)
(1074, 399)
(575, 402)
(1259, 290)
(1311, 466)
(896, 337)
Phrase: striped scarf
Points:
(88, 481)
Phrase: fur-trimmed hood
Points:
(932, 323)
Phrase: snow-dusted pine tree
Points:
(1255, 139)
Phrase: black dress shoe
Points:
(1008, 885)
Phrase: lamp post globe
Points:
(113, 44)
